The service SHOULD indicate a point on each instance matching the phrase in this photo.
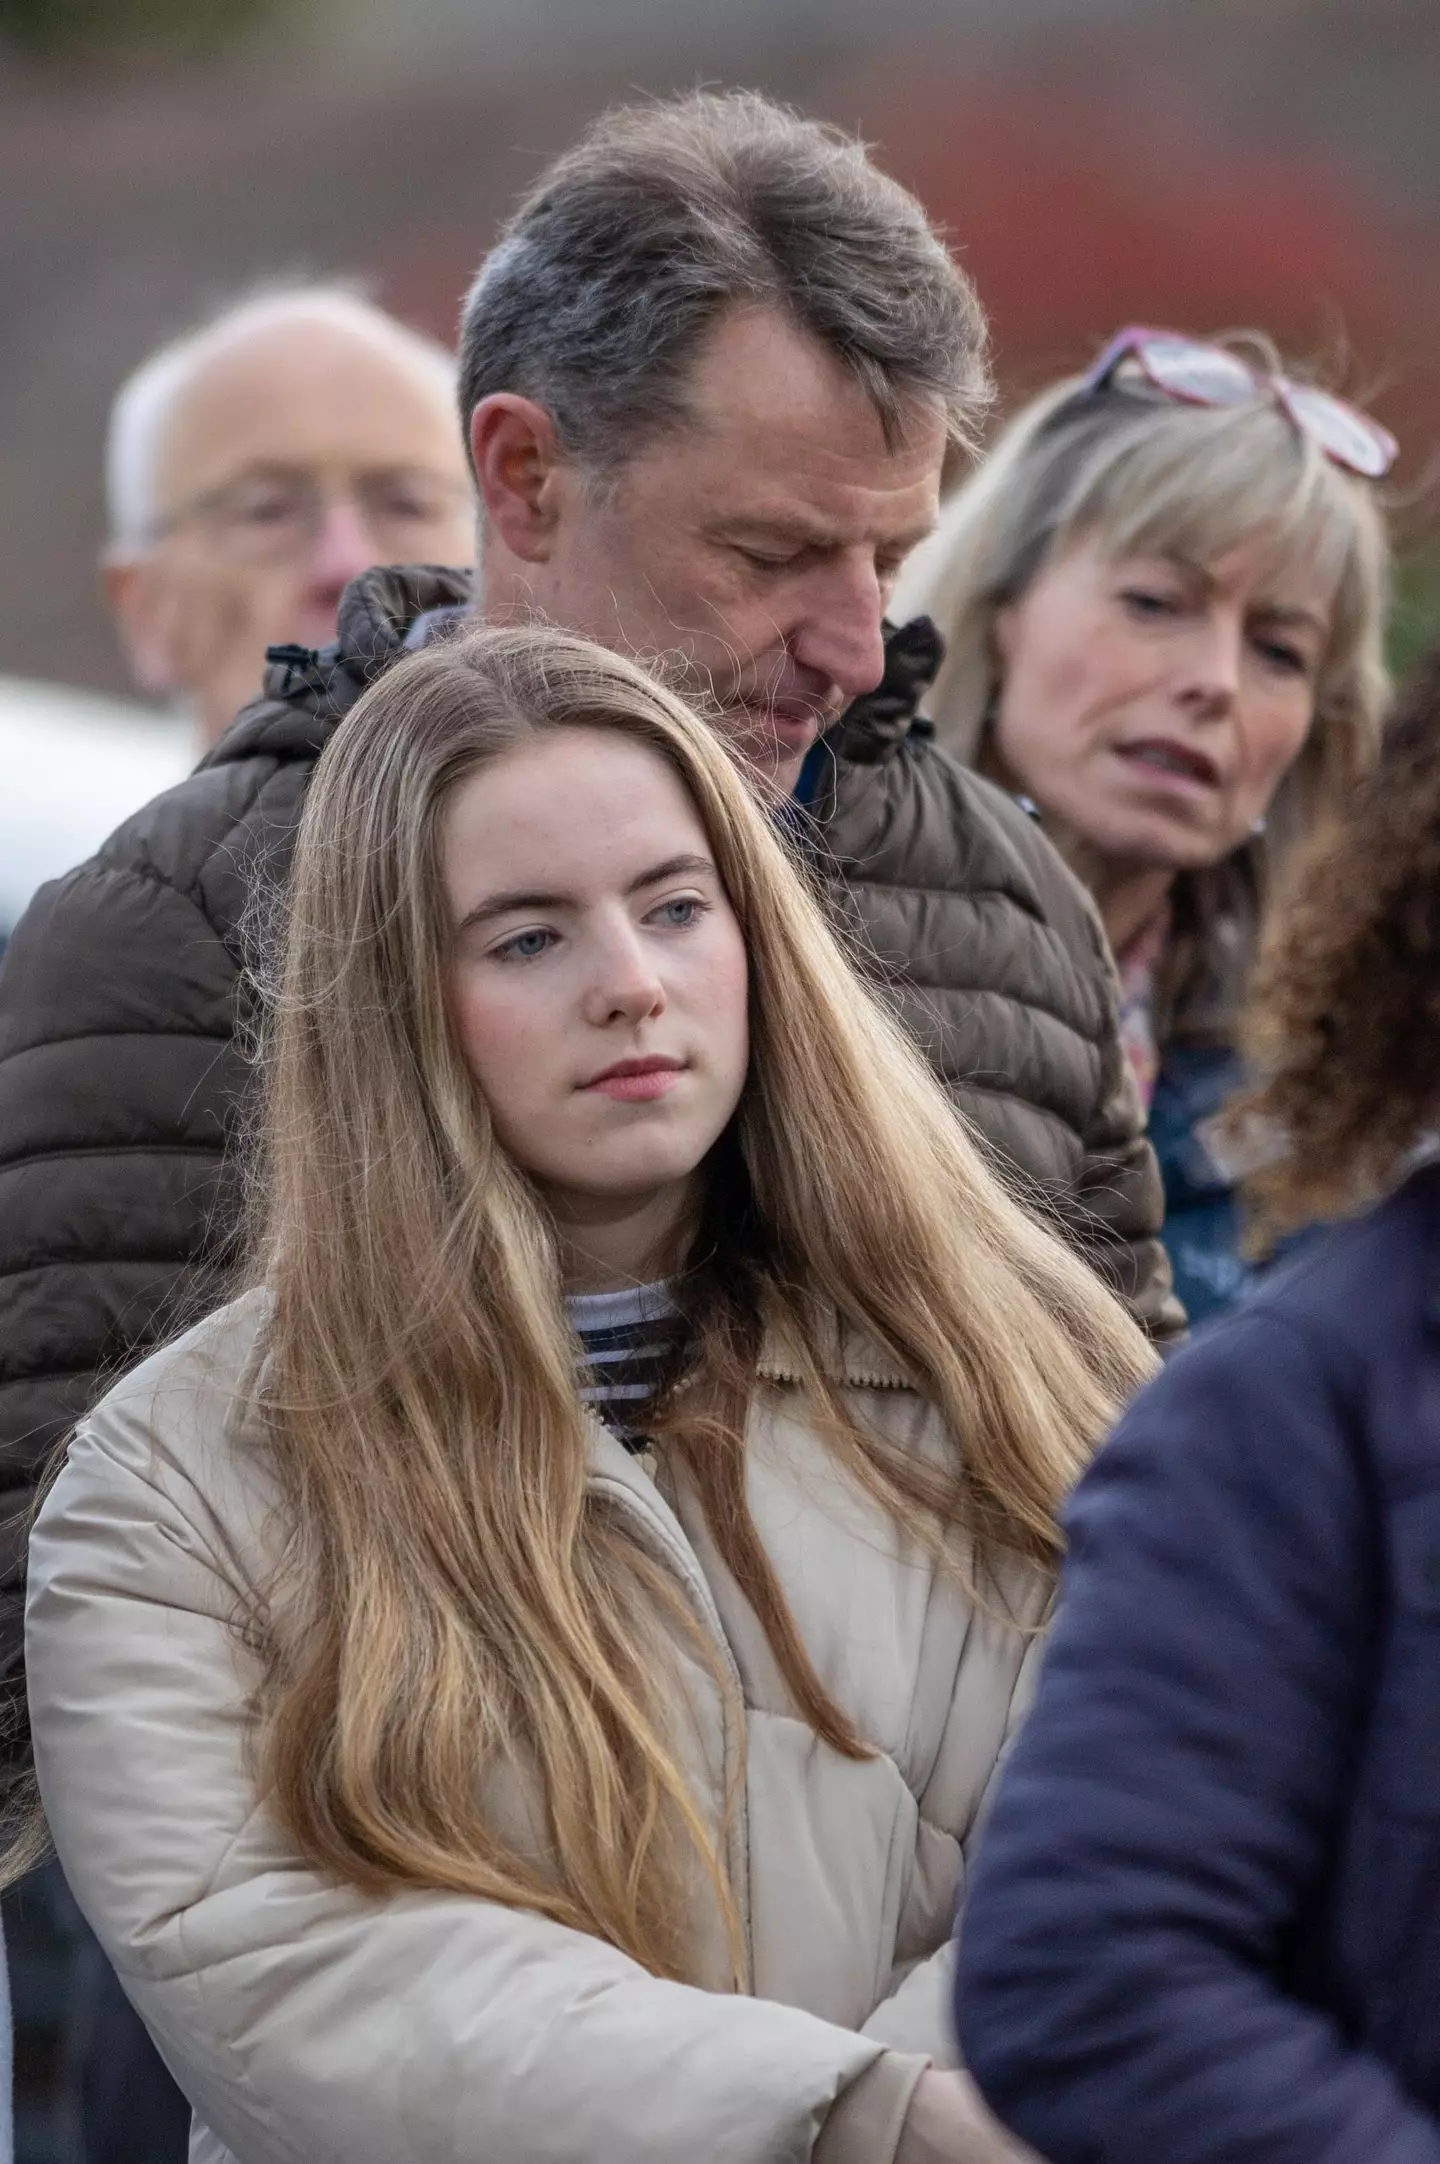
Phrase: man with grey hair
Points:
(708, 381)
(715, 441)
(254, 466)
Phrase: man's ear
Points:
(136, 598)
(518, 469)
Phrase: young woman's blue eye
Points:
(525, 946)
(685, 910)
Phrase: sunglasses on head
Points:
(1197, 374)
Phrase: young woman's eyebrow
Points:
(504, 905)
(518, 899)
(682, 867)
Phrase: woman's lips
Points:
(637, 1081)
(1167, 760)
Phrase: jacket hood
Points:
(307, 689)
(873, 728)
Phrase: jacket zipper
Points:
(667, 1533)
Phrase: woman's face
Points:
(1149, 706)
(598, 977)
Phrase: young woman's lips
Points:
(1165, 760)
(637, 1081)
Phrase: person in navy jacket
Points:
(1205, 1923)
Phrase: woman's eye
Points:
(525, 946)
(1145, 601)
(1289, 659)
(685, 910)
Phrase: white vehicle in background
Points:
(73, 764)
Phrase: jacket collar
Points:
(874, 726)
(378, 609)
(848, 1357)
(306, 690)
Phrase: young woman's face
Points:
(598, 976)
(1151, 707)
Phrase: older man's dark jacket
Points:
(123, 1071)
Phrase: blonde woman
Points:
(521, 1681)
(1162, 599)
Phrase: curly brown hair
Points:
(1343, 1018)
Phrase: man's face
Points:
(755, 548)
(294, 459)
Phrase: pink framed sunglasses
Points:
(1197, 374)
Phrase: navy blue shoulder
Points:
(1368, 1280)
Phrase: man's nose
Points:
(624, 985)
(840, 636)
(344, 546)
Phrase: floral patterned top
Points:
(1139, 965)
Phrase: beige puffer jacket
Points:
(310, 2026)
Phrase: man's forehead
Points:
(780, 434)
(303, 393)
(757, 368)
(822, 501)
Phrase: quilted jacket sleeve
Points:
(992, 955)
(918, 2014)
(119, 1079)
(1000, 968)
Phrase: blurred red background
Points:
(1263, 162)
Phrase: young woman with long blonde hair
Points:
(520, 1681)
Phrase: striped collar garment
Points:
(629, 1342)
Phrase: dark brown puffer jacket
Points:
(997, 963)
(123, 1083)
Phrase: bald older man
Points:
(257, 465)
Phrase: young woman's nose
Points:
(624, 985)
